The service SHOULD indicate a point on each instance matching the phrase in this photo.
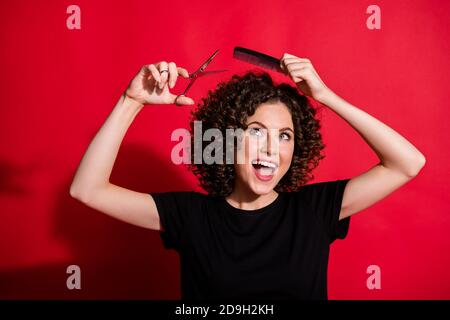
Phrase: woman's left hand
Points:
(304, 75)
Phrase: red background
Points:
(59, 85)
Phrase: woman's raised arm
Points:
(91, 183)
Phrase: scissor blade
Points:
(205, 64)
(205, 73)
(209, 60)
(199, 72)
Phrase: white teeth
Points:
(266, 171)
(265, 163)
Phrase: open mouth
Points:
(264, 170)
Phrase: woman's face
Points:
(268, 148)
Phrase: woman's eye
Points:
(285, 136)
(255, 131)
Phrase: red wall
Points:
(59, 85)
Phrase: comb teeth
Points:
(257, 58)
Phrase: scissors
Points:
(199, 73)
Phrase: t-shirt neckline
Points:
(245, 212)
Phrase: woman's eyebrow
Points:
(262, 125)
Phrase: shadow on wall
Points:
(117, 260)
(10, 176)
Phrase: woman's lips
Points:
(263, 177)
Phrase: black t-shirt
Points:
(276, 252)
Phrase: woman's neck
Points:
(245, 199)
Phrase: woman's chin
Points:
(261, 188)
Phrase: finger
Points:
(299, 75)
(283, 65)
(173, 74)
(289, 56)
(297, 65)
(183, 72)
(163, 66)
(286, 56)
(292, 60)
(182, 100)
(144, 70)
(154, 72)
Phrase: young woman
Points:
(260, 231)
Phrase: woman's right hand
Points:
(150, 86)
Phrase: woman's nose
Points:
(270, 144)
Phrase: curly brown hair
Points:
(229, 106)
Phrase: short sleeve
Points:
(327, 200)
(173, 209)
